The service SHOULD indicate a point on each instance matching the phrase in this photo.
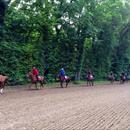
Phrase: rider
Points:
(111, 74)
(62, 74)
(35, 72)
(46, 71)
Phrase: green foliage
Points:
(78, 35)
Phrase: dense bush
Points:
(77, 35)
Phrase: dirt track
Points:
(102, 107)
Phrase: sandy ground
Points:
(101, 107)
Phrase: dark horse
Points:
(34, 80)
(3, 80)
(90, 79)
(122, 78)
(63, 79)
(111, 77)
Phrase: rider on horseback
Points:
(111, 74)
(62, 74)
(90, 78)
(123, 76)
(35, 72)
(89, 75)
(111, 77)
(63, 78)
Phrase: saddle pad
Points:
(40, 78)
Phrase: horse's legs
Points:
(30, 86)
(36, 85)
(41, 84)
(112, 81)
(92, 83)
(87, 82)
(1, 90)
(67, 82)
(61, 84)
(121, 81)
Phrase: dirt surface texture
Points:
(78, 107)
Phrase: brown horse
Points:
(90, 79)
(63, 79)
(111, 77)
(34, 80)
(3, 80)
(122, 78)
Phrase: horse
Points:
(63, 79)
(34, 80)
(90, 79)
(111, 78)
(3, 80)
(122, 78)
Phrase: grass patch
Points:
(85, 82)
(101, 81)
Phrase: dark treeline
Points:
(75, 34)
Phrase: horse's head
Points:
(31, 76)
(3, 79)
(57, 76)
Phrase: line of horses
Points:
(122, 79)
(111, 78)
(41, 80)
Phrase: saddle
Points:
(90, 77)
(64, 78)
(40, 78)
(110, 77)
(123, 77)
